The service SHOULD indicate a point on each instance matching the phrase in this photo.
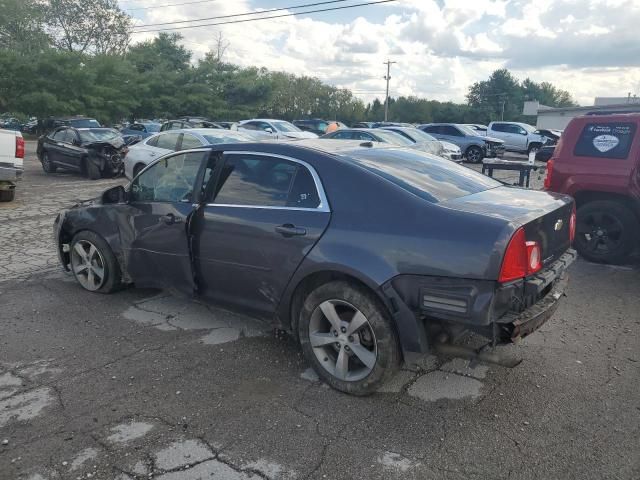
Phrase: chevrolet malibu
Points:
(369, 256)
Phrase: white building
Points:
(558, 118)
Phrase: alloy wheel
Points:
(474, 155)
(343, 340)
(600, 233)
(88, 265)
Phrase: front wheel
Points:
(606, 231)
(93, 263)
(47, 165)
(7, 195)
(347, 336)
(474, 154)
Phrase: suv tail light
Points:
(521, 259)
(19, 147)
(572, 224)
(547, 179)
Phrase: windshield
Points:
(84, 123)
(420, 136)
(285, 127)
(468, 131)
(98, 135)
(528, 128)
(226, 136)
(152, 127)
(394, 138)
(429, 177)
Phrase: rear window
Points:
(428, 177)
(85, 123)
(605, 140)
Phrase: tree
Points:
(22, 26)
(88, 26)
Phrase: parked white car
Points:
(451, 151)
(270, 129)
(143, 153)
(11, 163)
(518, 137)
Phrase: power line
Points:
(170, 5)
(270, 17)
(241, 14)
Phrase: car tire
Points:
(93, 172)
(354, 361)
(606, 232)
(7, 195)
(47, 164)
(474, 154)
(534, 147)
(93, 263)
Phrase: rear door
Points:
(161, 204)
(253, 233)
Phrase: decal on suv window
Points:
(605, 140)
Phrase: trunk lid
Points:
(545, 216)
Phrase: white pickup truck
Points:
(11, 163)
(518, 137)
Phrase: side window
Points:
(153, 141)
(499, 127)
(363, 136)
(168, 141)
(343, 136)
(168, 180)
(304, 193)
(450, 130)
(264, 126)
(59, 135)
(253, 180)
(605, 140)
(136, 127)
(69, 136)
(189, 142)
(431, 129)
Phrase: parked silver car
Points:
(474, 146)
(145, 152)
(441, 148)
(271, 129)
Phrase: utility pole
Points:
(387, 77)
(502, 116)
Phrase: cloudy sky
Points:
(588, 47)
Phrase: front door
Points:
(161, 206)
(253, 233)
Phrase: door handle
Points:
(288, 230)
(170, 219)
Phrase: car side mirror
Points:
(268, 130)
(114, 195)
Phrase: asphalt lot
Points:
(140, 384)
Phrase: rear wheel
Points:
(606, 231)
(347, 336)
(474, 154)
(7, 195)
(93, 263)
(47, 165)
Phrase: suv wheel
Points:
(347, 336)
(7, 195)
(605, 232)
(474, 154)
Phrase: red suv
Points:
(597, 162)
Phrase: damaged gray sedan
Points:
(94, 152)
(369, 256)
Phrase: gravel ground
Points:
(141, 384)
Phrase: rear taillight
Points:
(572, 224)
(547, 179)
(19, 147)
(521, 259)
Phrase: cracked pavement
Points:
(140, 384)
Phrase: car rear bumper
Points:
(10, 173)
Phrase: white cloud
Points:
(588, 47)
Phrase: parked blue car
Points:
(145, 129)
